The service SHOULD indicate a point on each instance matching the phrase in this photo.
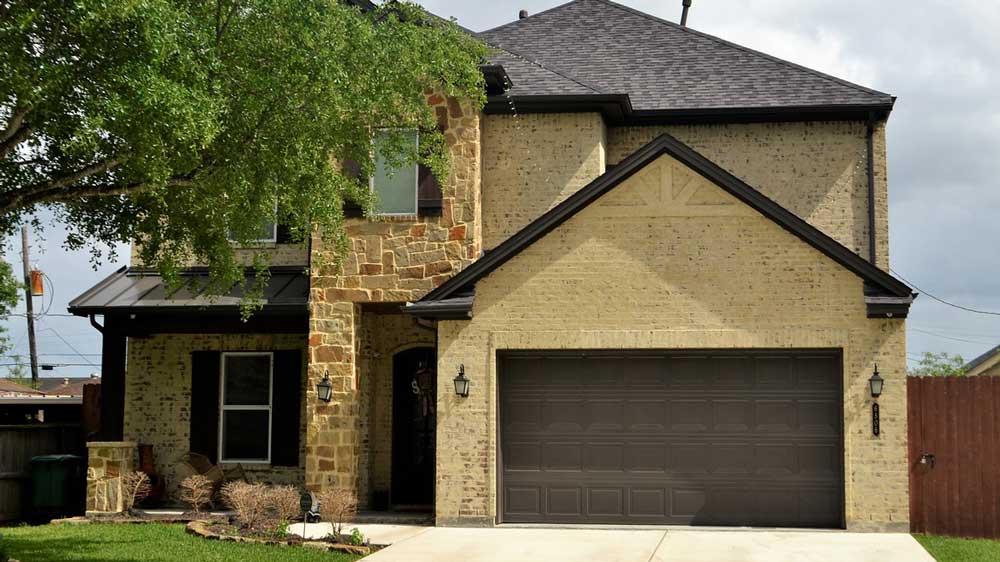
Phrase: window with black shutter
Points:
(246, 406)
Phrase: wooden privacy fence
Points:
(954, 454)
(18, 444)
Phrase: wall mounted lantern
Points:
(461, 383)
(324, 388)
(875, 383)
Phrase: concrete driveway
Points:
(435, 544)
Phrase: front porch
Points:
(187, 376)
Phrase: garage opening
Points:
(721, 437)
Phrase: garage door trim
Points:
(503, 354)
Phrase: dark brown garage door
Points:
(696, 438)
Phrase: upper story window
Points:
(396, 186)
(245, 409)
(266, 232)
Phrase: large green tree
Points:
(182, 123)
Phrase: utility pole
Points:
(29, 306)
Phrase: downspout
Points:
(870, 137)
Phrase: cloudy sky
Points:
(940, 58)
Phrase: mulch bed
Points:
(225, 532)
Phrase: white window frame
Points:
(223, 408)
(416, 182)
(274, 231)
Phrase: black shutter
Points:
(286, 408)
(205, 403)
(284, 234)
(352, 170)
(428, 192)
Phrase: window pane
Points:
(247, 380)
(245, 434)
(396, 187)
(265, 232)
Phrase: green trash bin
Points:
(57, 486)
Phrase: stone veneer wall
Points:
(645, 267)
(533, 162)
(390, 260)
(107, 461)
(158, 396)
(817, 170)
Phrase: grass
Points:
(947, 549)
(146, 542)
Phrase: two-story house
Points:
(653, 290)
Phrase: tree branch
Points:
(17, 138)
(43, 190)
(16, 119)
(15, 131)
(21, 199)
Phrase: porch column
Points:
(112, 381)
(107, 461)
(332, 430)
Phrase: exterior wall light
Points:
(461, 382)
(876, 382)
(324, 388)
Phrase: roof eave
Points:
(617, 110)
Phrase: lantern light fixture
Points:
(875, 383)
(324, 388)
(461, 382)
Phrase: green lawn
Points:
(147, 542)
(947, 549)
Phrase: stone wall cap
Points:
(119, 444)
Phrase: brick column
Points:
(332, 428)
(106, 462)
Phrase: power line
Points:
(69, 345)
(950, 338)
(940, 300)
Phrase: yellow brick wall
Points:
(158, 395)
(533, 162)
(278, 254)
(645, 267)
(817, 170)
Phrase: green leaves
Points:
(177, 123)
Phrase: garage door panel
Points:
(690, 415)
(606, 502)
(730, 438)
(732, 416)
(562, 457)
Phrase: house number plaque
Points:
(875, 422)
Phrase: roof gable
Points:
(888, 296)
(661, 65)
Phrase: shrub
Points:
(135, 487)
(357, 538)
(337, 506)
(196, 491)
(248, 501)
(283, 503)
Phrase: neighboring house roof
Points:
(659, 66)
(65, 386)
(11, 388)
(884, 294)
(131, 290)
(983, 362)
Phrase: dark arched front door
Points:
(414, 419)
